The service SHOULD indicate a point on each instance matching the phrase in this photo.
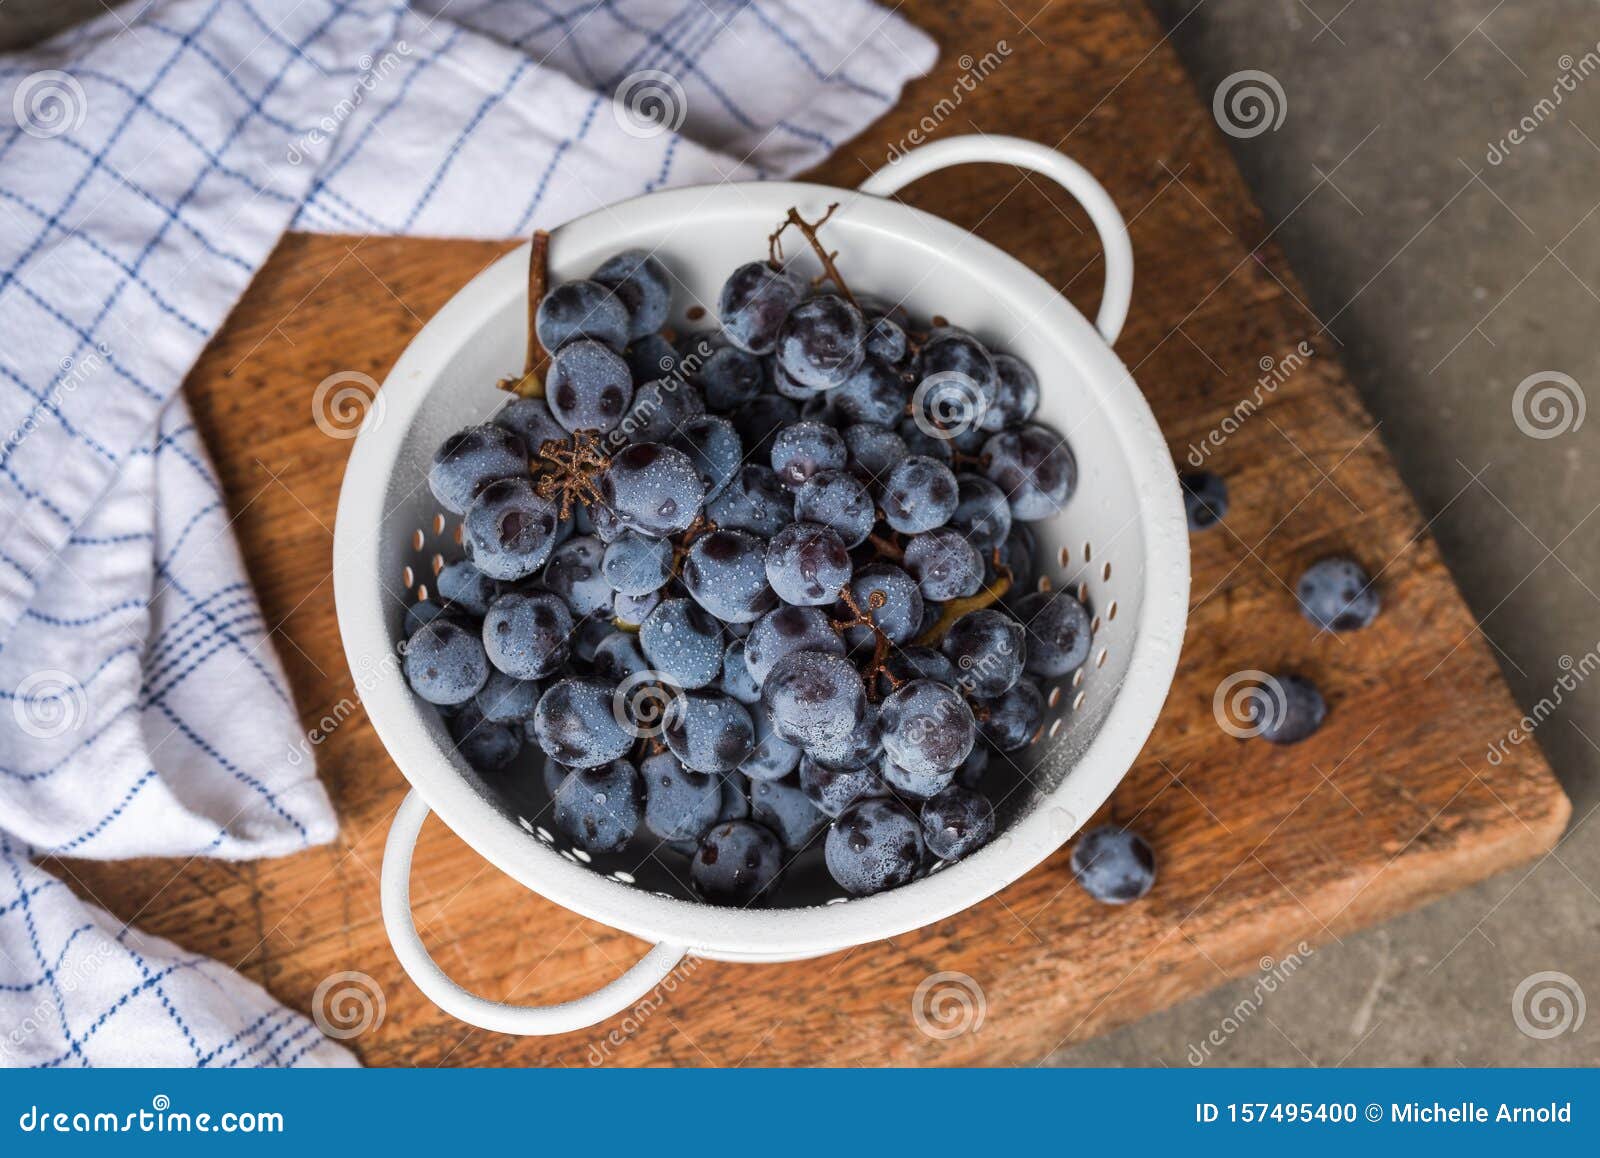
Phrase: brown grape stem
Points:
(830, 270)
(537, 360)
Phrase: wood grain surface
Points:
(1391, 804)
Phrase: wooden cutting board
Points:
(1392, 804)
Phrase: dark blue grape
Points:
(576, 722)
(1288, 709)
(633, 610)
(600, 808)
(581, 309)
(890, 599)
(875, 844)
(1019, 552)
(636, 564)
(1035, 468)
(505, 699)
(466, 587)
(988, 648)
(816, 700)
(510, 530)
(444, 662)
(680, 804)
(738, 863)
(420, 612)
(574, 573)
(956, 823)
(787, 811)
(770, 758)
(874, 393)
(821, 342)
(833, 789)
(486, 746)
(919, 441)
(927, 727)
(974, 767)
(1205, 499)
(713, 446)
(1337, 595)
(653, 489)
(652, 357)
(598, 520)
(1016, 395)
(471, 459)
(683, 643)
(921, 663)
(885, 339)
(527, 634)
(872, 452)
(982, 513)
(944, 565)
(802, 449)
(725, 572)
(660, 410)
(588, 386)
(730, 377)
(919, 495)
(754, 500)
(917, 785)
(1010, 720)
(531, 421)
(618, 656)
(643, 286)
(1114, 865)
(759, 420)
(785, 631)
(1058, 633)
(839, 500)
(807, 564)
(950, 351)
(753, 304)
(787, 387)
(588, 636)
(736, 678)
(735, 797)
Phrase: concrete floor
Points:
(1448, 278)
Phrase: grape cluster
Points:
(743, 593)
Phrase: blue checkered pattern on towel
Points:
(149, 161)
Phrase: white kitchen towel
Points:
(150, 162)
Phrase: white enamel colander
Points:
(1121, 544)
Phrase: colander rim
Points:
(398, 717)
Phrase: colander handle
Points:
(1071, 176)
(591, 1009)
